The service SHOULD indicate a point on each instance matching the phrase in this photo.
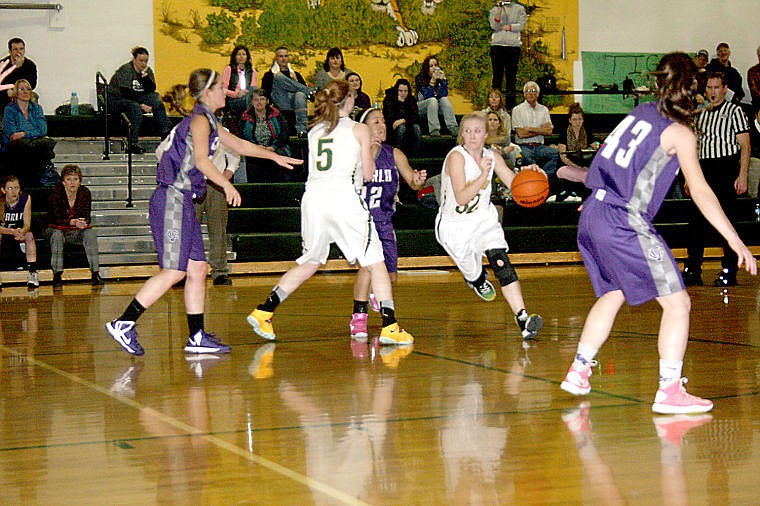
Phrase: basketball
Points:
(530, 188)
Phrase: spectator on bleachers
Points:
(361, 99)
(263, 125)
(532, 122)
(495, 103)
(433, 97)
(70, 222)
(753, 81)
(499, 139)
(723, 64)
(700, 60)
(572, 142)
(132, 91)
(17, 239)
(239, 79)
(334, 67)
(25, 69)
(402, 118)
(286, 89)
(29, 150)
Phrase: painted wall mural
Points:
(381, 40)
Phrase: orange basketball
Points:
(530, 188)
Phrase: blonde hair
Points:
(479, 116)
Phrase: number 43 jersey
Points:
(630, 169)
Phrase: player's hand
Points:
(740, 185)
(419, 178)
(745, 257)
(287, 162)
(535, 167)
(232, 195)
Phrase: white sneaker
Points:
(33, 281)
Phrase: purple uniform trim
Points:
(387, 236)
(176, 231)
(630, 177)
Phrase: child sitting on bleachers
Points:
(16, 238)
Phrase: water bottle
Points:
(757, 212)
(74, 102)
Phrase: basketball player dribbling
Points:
(467, 225)
(627, 260)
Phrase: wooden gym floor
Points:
(469, 415)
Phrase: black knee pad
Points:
(502, 267)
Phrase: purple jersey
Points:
(177, 165)
(630, 177)
(630, 168)
(380, 193)
(13, 216)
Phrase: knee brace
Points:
(502, 267)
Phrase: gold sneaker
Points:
(393, 334)
(261, 321)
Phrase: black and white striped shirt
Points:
(717, 129)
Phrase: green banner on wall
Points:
(608, 69)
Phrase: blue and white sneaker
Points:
(124, 333)
(203, 342)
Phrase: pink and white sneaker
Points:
(358, 326)
(674, 400)
(374, 303)
(576, 382)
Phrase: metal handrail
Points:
(34, 7)
(100, 78)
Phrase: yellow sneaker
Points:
(393, 334)
(392, 355)
(261, 321)
(262, 365)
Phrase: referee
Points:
(724, 152)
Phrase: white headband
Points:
(208, 85)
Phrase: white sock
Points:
(670, 371)
(585, 354)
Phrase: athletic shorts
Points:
(623, 251)
(466, 241)
(175, 228)
(340, 216)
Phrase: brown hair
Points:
(71, 169)
(175, 97)
(328, 102)
(675, 86)
(575, 109)
(200, 80)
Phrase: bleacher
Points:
(266, 228)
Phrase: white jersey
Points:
(335, 157)
(332, 211)
(467, 232)
(478, 207)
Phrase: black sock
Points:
(481, 279)
(388, 314)
(31, 266)
(271, 303)
(361, 306)
(195, 323)
(133, 311)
